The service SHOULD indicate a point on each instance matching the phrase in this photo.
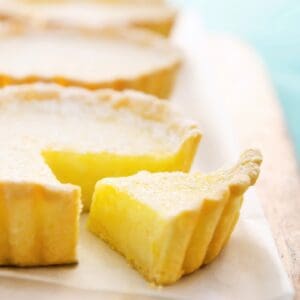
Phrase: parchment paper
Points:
(248, 268)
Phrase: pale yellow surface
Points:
(79, 57)
(169, 224)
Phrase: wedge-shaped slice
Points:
(109, 58)
(83, 136)
(152, 15)
(170, 224)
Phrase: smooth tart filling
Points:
(170, 224)
(109, 58)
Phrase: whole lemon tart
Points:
(170, 224)
(52, 137)
(108, 58)
(153, 15)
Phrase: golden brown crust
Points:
(37, 244)
(159, 81)
(239, 179)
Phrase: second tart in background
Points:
(153, 15)
(109, 58)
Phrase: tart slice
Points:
(109, 58)
(152, 15)
(170, 224)
(51, 136)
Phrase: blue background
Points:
(273, 28)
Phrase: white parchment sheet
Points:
(249, 267)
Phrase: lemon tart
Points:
(52, 137)
(170, 224)
(158, 17)
(109, 58)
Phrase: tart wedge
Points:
(154, 15)
(109, 58)
(52, 137)
(170, 224)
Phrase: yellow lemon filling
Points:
(170, 224)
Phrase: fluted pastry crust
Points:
(170, 224)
